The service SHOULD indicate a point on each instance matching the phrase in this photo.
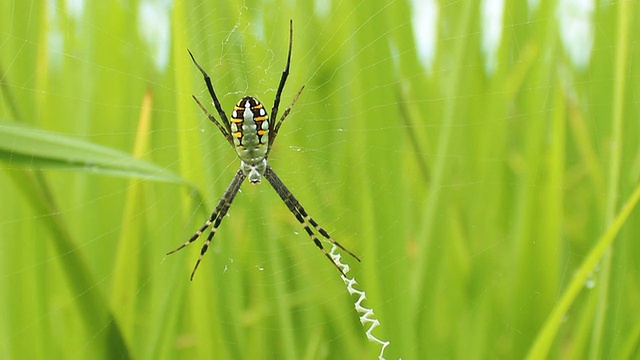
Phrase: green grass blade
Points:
(93, 308)
(546, 336)
(33, 148)
(614, 176)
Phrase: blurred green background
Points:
(481, 157)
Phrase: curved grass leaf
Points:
(35, 148)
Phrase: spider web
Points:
(386, 149)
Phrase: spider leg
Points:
(216, 102)
(273, 125)
(216, 218)
(214, 120)
(303, 218)
(276, 128)
(283, 80)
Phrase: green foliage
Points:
(29, 148)
(494, 211)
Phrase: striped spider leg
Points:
(301, 215)
(251, 134)
(216, 218)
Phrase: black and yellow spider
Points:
(251, 134)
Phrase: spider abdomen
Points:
(250, 130)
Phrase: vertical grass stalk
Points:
(613, 188)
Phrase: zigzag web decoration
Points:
(367, 318)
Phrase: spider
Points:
(251, 133)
